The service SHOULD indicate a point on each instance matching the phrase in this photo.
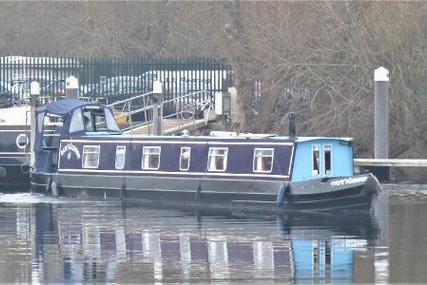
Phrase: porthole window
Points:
(21, 141)
(120, 157)
(184, 158)
(263, 160)
(151, 157)
(90, 156)
(217, 159)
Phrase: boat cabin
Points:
(322, 157)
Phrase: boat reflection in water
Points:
(114, 242)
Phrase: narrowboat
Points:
(89, 157)
(14, 149)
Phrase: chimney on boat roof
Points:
(292, 126)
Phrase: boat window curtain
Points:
(263, 160)
(217, 159)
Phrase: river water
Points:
(58, 240)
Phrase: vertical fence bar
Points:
(60, 68)
(48, 65)
(51, 68)
(2, 70)
(24, 77)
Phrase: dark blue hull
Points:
(14, 161)
(14, 174)
(267, 195)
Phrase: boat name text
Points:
(347, 181)
(72, 148)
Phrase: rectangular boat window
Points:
(263, 159)
(184, 158)
(316, 160)
(90, 157)
(151, 157)
(217, 159)
(120, 157)
(327, 151)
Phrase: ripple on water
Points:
(410, 193)
(31, 198)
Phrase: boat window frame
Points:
(330, 159)
(225, 156)
(314, 148)
(98, 152)
(181, 156)
(123, 147)
(254, 159)
(159, 154)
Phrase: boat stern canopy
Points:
(72, 117)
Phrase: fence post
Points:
(71, 87)
(157, 108)
(381, 112)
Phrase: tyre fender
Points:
(281, 195)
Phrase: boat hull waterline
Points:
(358, 193)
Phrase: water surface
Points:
(57, 240)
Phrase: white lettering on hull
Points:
(348, 181)
(72, 148)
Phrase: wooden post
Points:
(292, 126)
(71, 87)
(34, 96)
(226, 109)
(381, 112)
(157, 108)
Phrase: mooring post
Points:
(34, 97)
(71, 88)
(157, 108)
(381, 112)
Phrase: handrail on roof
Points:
(184, 96)
(129, 99)
(237, 135)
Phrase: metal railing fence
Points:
(112, 79)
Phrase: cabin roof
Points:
(255, 138)
(307, 139)
(64, 106)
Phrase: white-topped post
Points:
(71, 87)
(34, 96)
(157, 108)
(381, 112)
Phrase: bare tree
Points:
(315, 59)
